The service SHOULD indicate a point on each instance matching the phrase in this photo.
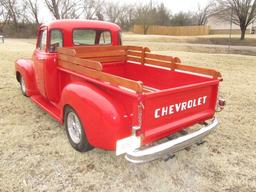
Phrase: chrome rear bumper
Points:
(172, 146)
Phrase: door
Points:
(51, 75)
(45, 60)
(39, 58)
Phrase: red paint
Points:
(106, 111)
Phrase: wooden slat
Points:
(109, 59)
(115, 80)
(83, 62)
(133, 53)
(101, 54)
(159, 57)
(67, 51)
(134, 48)
(158, 63)
(199, 70)
(129, 58)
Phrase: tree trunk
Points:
(242, 34)
(145, 27)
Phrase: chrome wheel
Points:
(74, 127)
(22, 85)
(75, 131)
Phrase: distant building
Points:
(219, 25)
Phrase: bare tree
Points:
(163, 15)
(53, 6)
(112, 11)
(182, 19)
(145, 16)
(4, 18)
(25, 14)
(63, 9)
(203, 13)
(244, 12)
(125, 18)
(92, 9)
(122, 15)
(12, 9)
(34, 10)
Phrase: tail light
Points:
(220, 105)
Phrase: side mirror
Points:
(53, 47)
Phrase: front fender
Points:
(103, 117)
(24, 67)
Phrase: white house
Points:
(220, 25)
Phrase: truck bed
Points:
(133, 67)
(164, 88)
(153, 79)
(174, 96)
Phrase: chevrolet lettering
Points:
(174, 108)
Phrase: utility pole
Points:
(230, 29)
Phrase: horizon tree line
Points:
(14, 12)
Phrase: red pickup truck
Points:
(117, 97)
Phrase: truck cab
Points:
(116, 97)
(66, 33)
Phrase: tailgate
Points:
(169, 111)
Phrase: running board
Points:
(47, 106)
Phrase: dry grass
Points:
(35, 154)
(199, 44)
(250, 40)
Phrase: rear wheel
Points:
(23, 86)
(75, 131)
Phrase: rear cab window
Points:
(91, 37)
(105, 38)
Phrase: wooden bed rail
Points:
(144, 57)
(93, 56)
(68, 59)
(174, 63)
(136, 86)
(82, 62)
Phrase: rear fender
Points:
(24, 67)
(102, 116)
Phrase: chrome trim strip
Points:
(170, 147)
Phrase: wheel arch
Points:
(101, 115)
(24, 68)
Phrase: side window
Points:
(56, 40)
(84, 37)
(105, 38)
(43, 40)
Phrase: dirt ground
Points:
(35, 154)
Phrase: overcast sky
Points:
(174, 5)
